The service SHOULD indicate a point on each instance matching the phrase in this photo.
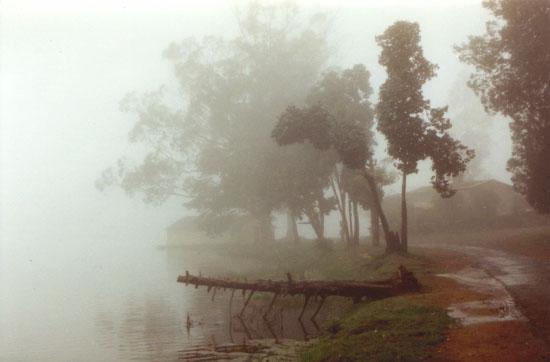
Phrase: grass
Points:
(403, 328)
(305, 261)
(394, 329)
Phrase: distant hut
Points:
(477, 205)
(184, 231)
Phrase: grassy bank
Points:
(405, 328)
(305, 261)
(395, 329)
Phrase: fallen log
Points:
(403, 282)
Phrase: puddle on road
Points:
(511, 272)
(499, 307)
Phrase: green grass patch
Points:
(306, 261)
(395, 329)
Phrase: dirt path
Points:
(527, 280)
(510, 319)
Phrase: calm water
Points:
(105, 299)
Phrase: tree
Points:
(300, 180)
(214, 146)
(472, 127)
(346, 96)
(360, 191)
(413, 129)
(512, 77)
(319, 127)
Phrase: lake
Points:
(91, 299)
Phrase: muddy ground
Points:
(499, 292)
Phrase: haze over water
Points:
(80, 275)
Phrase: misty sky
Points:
(64, 67)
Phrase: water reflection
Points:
(188, 323)
(96, 301)
(148, 330)
(155, 331)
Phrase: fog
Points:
(64, 68)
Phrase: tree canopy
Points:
(512, 77)
(339, 118)
(415, 130)
(212, 143)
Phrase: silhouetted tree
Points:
(512, 77)
(211, 143)
(413, 129)
(346, 96)
(319, 127)
(302, 175)
(360, 192)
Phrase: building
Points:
(184, 231)
(477, 205)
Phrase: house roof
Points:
(188, 223)
(464, 186)
(426, 194)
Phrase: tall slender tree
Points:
(413, 129)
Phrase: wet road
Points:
(532, 294)
(525, 279)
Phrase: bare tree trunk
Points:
(403, 282)
(345, 215)
(374, 227)
(316, 224)
(356, 222)
(404, 213)
(321, 223)
(341, 203)
(351, 219)
(264, 229)
(392, 239)
(291, 227)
